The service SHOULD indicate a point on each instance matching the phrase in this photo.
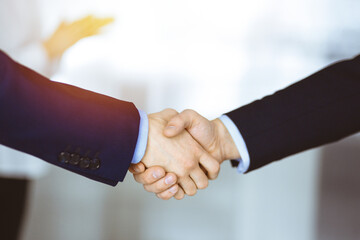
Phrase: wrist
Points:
(226, 143)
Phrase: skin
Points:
(213, 136)
(183, 158)
(156, 180)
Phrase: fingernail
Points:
(157, 175)
(169, 179)
(170, 127)
(173, 189)
(136, 168)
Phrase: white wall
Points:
(212, 56)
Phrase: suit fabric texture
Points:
(84, 132)
(320, 109)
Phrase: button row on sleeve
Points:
(76, 159)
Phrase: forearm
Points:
(44, 118)
(317, 110)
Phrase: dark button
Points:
(84, 162)
(64, 157)
(74, 159)
(94, 163)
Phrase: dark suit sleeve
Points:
(79, 130)
(320, 109)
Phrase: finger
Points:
(163, 184)
(184, 120)
(150, 176)
(180, 194)
(166, 195)
(199, 178)
(168, 113)
(188, 186)
(137, 168)
(177, 124)
(210, 164)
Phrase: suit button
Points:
(94, 163)
(84, 162)
(64, 157)
(74, 159)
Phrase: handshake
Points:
(184, 150)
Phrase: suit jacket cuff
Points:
(244, 160)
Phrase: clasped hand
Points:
(183, 152)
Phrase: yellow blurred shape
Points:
(67, 34)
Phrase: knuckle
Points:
(191, 192)
(171, 110)
(137, 178)
(182, 174)
(213, 176)
(160, 188)
(147, 188)
(189, 164)
(215, 168)
(203, 184)
(164, 196)
(179, 197)
(188, 111)
(148, 180)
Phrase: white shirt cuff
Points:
(142, 138)
(244, 160)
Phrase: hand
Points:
(212, 135)
(67, 34)
(155, 180)
(180, 154)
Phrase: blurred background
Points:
(211, 56)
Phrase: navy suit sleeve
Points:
(84, 132)
(320, 109)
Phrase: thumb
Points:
(137, 168)
(179, 123)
